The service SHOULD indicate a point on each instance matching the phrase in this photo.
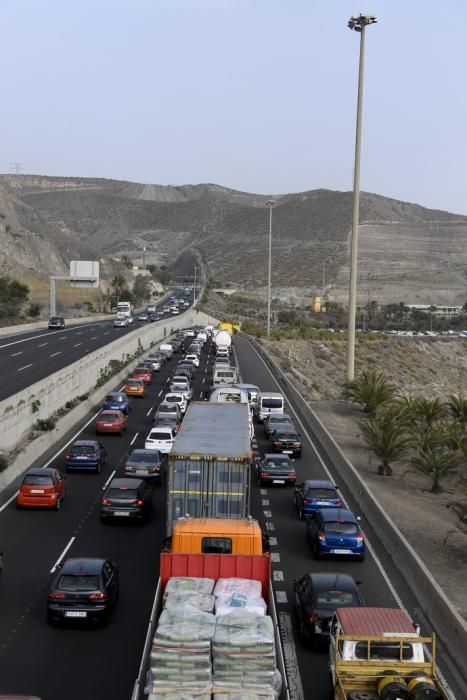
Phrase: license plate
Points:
(141, 472)
(76, 613)
(341, 551)
(37, 491)
(108, 425)
(81, 457)
(278, 481)
(122, 512)
(287, 452)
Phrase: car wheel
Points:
(316, 552)
(362, 558)
(50, 620)
(302, 633)
(300, 513)
(98, 468)
(58, 504)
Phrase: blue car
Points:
(117, 401)
(315, 494)
(85, 455)
(335, 532)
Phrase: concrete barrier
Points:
(443, 616)
(16, 412)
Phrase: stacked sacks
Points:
(180, 661)
(234, 593)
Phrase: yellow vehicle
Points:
(226, 326)
(217, 536)
(378, 652)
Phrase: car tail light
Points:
(313, 618)
(68, 457)
(95, 456)
(322, 536)
(360, 538)
(307, 501)
(297, 444)
(277, 443)
(292, 474)
(55, 595)
(264, 474)
(138, 502)
(97, 596)
(106, 502)
(337, 501)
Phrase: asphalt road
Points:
(103, 663)
(26, 358)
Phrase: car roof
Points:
(110, 410)
(337, 514)
(84, 443)
(36, 471)
(319, 483)
(116, 393)
(125, 482)
(89, 565)
(274, 416)
(332, 581)
(146, 453)
(275, 455)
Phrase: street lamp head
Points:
(271, 202)
(357, 22)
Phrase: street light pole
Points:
(358, 24)
(270, 203)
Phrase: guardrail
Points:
(442, 615)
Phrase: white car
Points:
(155, 363)
(193, 358)
(161, 439)
(181, 387)
(177, 398)
(121, 322)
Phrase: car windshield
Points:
(272, 403)
(38, 480)
(321, 493)
(278, 461)
(340, 528)
(140, 457)
(335, 599)
(160, 436)
(109, 417)
(79, 583)
(82, 450)
(130, 494)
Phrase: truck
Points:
(209, 466)
(222, 341)
(378, 652)
(227, 327)
(217, 536)
(213, 566)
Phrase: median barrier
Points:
(17, 417)
(442, 615)
(43, 325)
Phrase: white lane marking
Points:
(109, 480)
(263, 492)
(275, 556)
(269, 525)
(93, 337)
(20, 369)
(55, 566)
(63, 337)
(265, 502)
(42, 345)
(150, 410)
(267, 513)
(17, 353)
(134, 438)
(62, 449)
(56, 353)
(277, 575)
(281, 597)
(107, 333)
(159, 393)
(77, 345)
(378, 562)
(78, 332)
(42, 335)
(200, 394)
(273, 541)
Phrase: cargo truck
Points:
(209, 465)
(379, 653)
(213, 566)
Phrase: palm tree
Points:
(457, 405)
(436, 464)
(424, 413)
(385, 434)
(371, 389)
(119, 284)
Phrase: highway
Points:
(28, 357)
(103, 663)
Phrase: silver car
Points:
(168, 409)
(178, 385)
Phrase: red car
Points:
(111, 422)
(41, 488)
(144, 373)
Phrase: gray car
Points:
(276, 422)
(275, 469)
(171, 410)
(145, 464)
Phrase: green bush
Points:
(46, 424)
(3, 463)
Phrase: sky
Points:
(257, 95)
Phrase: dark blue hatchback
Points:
(85, 455)
(335, 532)
(117, 401)
(315, 494)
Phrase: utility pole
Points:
(16, 168)
(270, 203)
(358, 24)
(324, 275)
(194, 287)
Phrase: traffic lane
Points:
(390, 575)
(92, 538)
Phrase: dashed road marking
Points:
(275, 557)
(77, 345)
(17, 353)
(42, 345)
(281, 597)
(56, 353)
(20, 369)
(134, 438)
(278, 575)
(94, 337)
(55, 566)
(265, 502)
(269, 525)
(263, 492)
(109, 480)
(273, 541)
(267, 513)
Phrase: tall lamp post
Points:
(270, 203)
(358, 24)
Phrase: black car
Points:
(186, 370)
(286, 441)
(84, 590)
(126, 499)
(145, 464)
(85, 455)
(277, 421)
(275, 469)
(56, 322)
(316, 597)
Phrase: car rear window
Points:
(160, 436)
(116, 397)
(83, 450)
(79, 583)
(123, 492)
(133, 382)
(109, 417)
(166, 409)
(287, 436)
(38, 480)
(320, 493)
(145, 457)
(272, 403)
(335, 599)
(171, 398)
(337, 528)
(141, 370)
(270, 462)
(216, 545)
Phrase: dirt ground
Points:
(419, 368)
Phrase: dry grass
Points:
(39, 292)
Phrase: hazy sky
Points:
(258, 95)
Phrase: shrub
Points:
(46, 424)
(3, 463)
(371, 389)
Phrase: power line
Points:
(16, 167)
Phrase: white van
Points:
(268, 402)
(225, 375)
(228, 394)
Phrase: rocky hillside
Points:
(407, 253)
